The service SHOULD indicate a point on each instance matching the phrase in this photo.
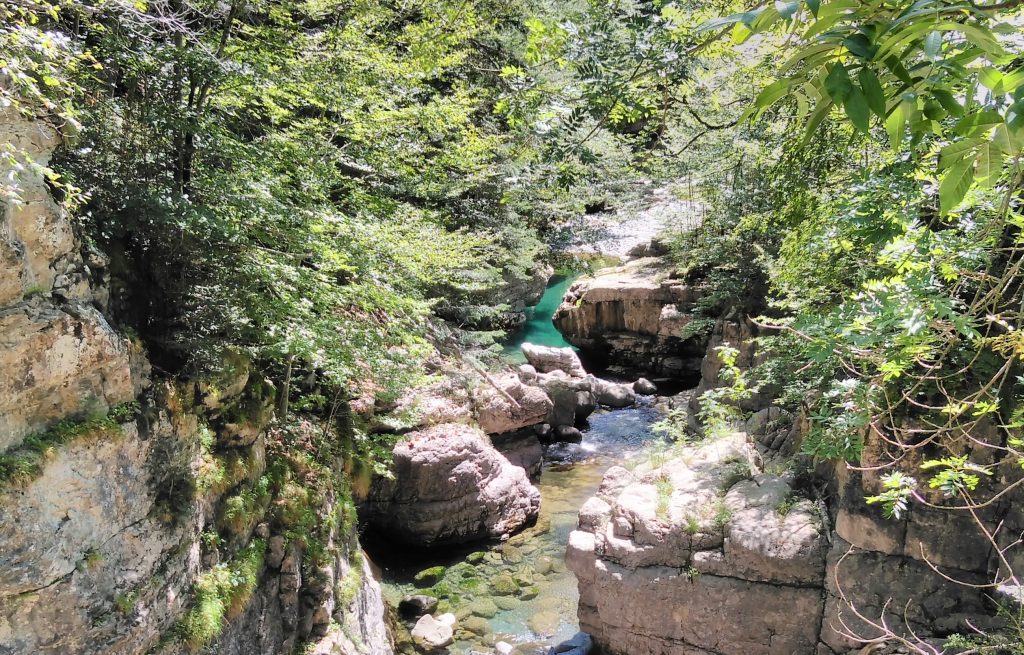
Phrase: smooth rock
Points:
(430, 634)
(450, 485)
(645, 387)
(580, 644)
(546, 359)
(613, 394)
(568, 434)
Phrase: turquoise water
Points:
(532, 622)
(538, 327)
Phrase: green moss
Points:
(241, 512)
(428, 577)
(504, 585)
(350, 586)
(125, 603)
(25, 463)
(221, 593)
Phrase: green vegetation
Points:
(316, 184)
(663, 488)
(221, 593)
(24, 463)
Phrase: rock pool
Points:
(519, 591)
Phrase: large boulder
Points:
(508, 405)
(546, 359)
(635, 317)
(522, 449)
(431, 635)
(612, 394)
(450, 485)
(665, 563)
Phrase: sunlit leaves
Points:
(897, 489)
(907, 67)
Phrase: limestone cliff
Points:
(141, 516)
(636, 317)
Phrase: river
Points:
(520, 592)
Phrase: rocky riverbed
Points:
(519, 592)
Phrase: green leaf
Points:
(1015, 116)
(933, 44)
(772, 93)
(896, 125)
(820, 111)
(948, 102)
(955, 184)
(856, 107)
(838, 84)
(873, 92)
(990, 165)
(814, 6)
(786, 9)
(991, 78)
(861, 46)
(978, 123)
(954, 152)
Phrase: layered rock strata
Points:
(635, 317)
(685, 559)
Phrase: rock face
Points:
(668, 563)
(100, 550)
(699, 556)
(634, 317)
(59, 356)
(450, 485)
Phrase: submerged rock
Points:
(580, 644)
(450, 485)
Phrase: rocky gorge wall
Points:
(636, 318)
(138, 514)
(738, 544)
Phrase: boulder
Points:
(580, 644)
(567, 434)
(586, 403)
(612, 394)
(645, 387)
(511, 406)
(431, 635)
(546, 359)
(662, 544)
(450, 485)
(522, 449)
(417, 605)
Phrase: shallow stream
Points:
(520, 592)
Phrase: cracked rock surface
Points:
(697, 557)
